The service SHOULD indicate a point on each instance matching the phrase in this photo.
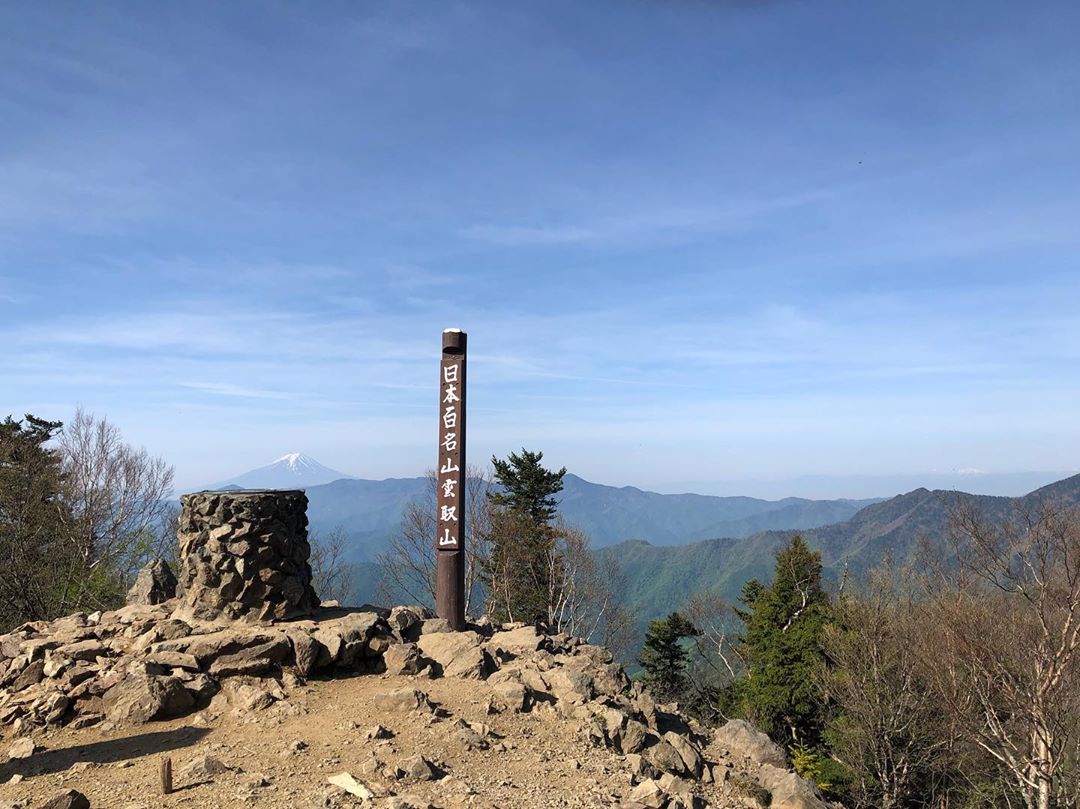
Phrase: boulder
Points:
(246, 697)
(434, 626)
(135, 699)
(88, 650)
(173, 660)
(458, 654)
(639, 767)
(403, 658)
(330, 639)
(512, 696)
(345, 781)
(418, 768)
(31, 675)
(515, 642)
(665, 758)
(741, 741)
(257, 659)
(22, 748)
(308, 653)
(69, 799)
(208, 647)
(155, 584)
(649, 793)
(139, 698)
(403, 699)
(789, 791)
(405, 622)
(689, 754)
(202, 768)
(634, 737)
(360, 626)
(570, 685)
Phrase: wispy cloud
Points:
(238, 391)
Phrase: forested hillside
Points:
(657, 580)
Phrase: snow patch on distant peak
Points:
(292, 459)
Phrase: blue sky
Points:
(695, 244)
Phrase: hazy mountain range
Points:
(665, 546)
(369, 511)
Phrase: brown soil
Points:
(534, 759)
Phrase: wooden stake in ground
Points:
(166, 775)
(450, 539)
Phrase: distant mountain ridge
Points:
(657, 580)
(665, 547)
(369, 511)
(610, 514)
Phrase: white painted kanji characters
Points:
(448, 513)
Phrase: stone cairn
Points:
(244, 556)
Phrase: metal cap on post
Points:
(450, 539)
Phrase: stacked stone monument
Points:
(244, 556)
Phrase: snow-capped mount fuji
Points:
(292, 471)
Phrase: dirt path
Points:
(281, 757)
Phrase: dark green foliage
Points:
(782, 645)
(522, 566)
(36, 551)
(528, 487)
(664, 658)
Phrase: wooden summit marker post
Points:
(450, 540)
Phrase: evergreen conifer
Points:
(782, 644)
(663, 657)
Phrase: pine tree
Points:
(523, 562)
(528, 487)
(782, 644)
(663, 657)
(40, 564)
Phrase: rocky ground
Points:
(353, 708)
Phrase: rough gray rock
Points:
(458, 654)
(650, 794)
(403, 658)
(403, 699)
(155, 584)
(418, 768)
(665, 758)
(139, 698)
(202, 768)
(742, 740)
(22, 748)
(69, 799)
(689, 754)
(245, 555)
(789, 791)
